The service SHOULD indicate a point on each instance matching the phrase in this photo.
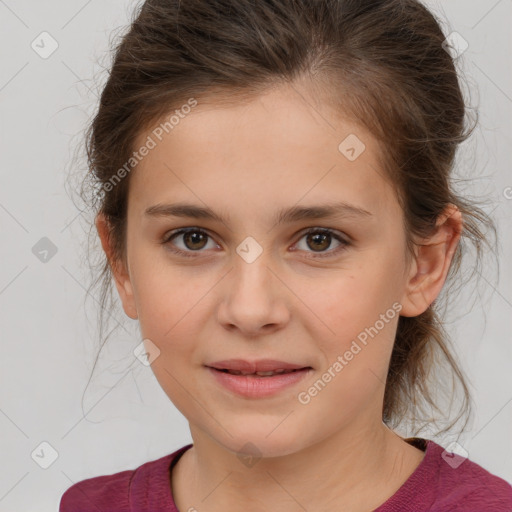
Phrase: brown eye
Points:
(318, 241)
(186, 242)
(195, 240)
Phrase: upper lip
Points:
(260, 365)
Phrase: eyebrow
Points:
(283, 216)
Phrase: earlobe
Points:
(431, 264)
(125, 290)
(119, 272)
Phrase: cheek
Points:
(356, 314)
(170, 311)
(348, 302)
(356, 356)
(166, 300)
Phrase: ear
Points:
(430, 265)
(119, 270)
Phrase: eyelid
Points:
(321, 229)
(342, 238)
(182, 231)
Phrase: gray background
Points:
(48, 334)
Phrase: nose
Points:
(254, 300)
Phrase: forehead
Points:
(279, 148)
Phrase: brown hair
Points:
(381, 62)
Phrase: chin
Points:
(257, 442)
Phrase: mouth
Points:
(260, 367)
(257, 379)
(279, 371)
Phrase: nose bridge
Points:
(251, 276)
(254, 297)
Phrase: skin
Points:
(246, 161)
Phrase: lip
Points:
(254, 386)
(260, 365)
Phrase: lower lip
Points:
(252, 386)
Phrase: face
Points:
(321, 292)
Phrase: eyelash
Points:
(325, 231)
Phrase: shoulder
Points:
(122, 491)
(463, 485)
(102, 492)
(446, 482)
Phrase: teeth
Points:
(260, 374)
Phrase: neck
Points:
(355, 469)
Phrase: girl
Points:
(276, 210)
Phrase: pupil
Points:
(195, 237)
(319, 237)
(321, 240)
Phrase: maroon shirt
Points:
(441, 483)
